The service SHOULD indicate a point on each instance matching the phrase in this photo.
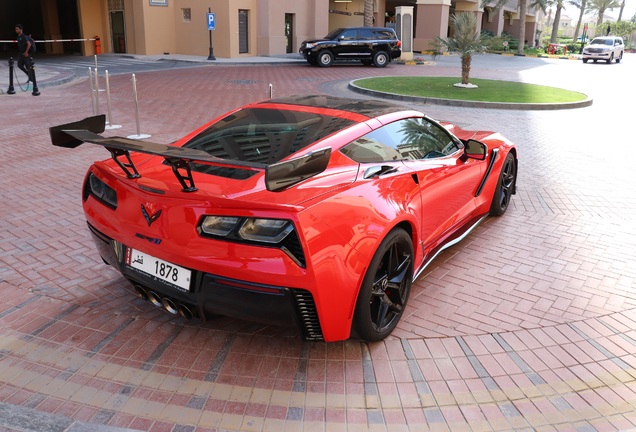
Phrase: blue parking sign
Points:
(211, 21)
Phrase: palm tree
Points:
(368, 13)
(557, 19)
(620, 14)
(582, 6)
(466, 41)
(600, 6)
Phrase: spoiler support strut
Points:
(126, 166)
(186, 180)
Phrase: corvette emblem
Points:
(150, 218)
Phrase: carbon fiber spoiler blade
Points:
(278, 176)
(72, 135)
(60, 138)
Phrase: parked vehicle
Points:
(310, 210)
(371, 45)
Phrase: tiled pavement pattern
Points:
(529, 324)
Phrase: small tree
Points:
(623, 29)
(466, 41)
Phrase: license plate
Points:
(161, 270)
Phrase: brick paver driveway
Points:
(527, 324)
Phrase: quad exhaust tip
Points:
(185, 312)
(169, 305)
(141, 292)
(155, 299)
(166, 303)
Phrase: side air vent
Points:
(308, 315)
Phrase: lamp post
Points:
(211, 26)
(583, 37)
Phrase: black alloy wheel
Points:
(505, 186)
(385, 289)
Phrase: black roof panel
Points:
(369, 108)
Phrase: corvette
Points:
(310, 211)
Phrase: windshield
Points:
(599, 41)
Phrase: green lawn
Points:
(488, 90)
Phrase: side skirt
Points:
(445, 246)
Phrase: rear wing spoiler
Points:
(278, 176)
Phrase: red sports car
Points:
(313, 211)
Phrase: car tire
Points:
(584, 60)
(618, 60)
(367, 62)
(594, 60)
(609, 60)
(381, 59)
(385, 288)
(324, 58)
(505, 186)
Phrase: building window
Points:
(187, 14)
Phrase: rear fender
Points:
(342, 249)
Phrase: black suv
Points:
(377, 45)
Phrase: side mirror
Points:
(474, 149)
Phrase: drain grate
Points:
(243, 82)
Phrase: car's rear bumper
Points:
(211, 295)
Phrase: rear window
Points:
(265, 135)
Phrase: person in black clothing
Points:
(25, 61)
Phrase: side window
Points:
(348, 35)
(409, 139)
(365, 34)
(423, 139)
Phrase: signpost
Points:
(211, 26)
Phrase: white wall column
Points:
(404, 28)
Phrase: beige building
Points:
(253, 27)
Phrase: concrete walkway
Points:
(51, 76)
